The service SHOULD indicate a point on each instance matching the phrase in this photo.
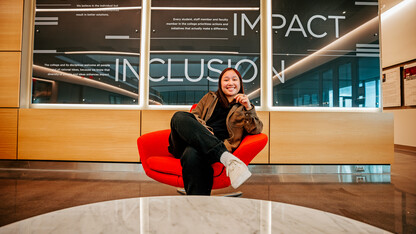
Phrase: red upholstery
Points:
(160, 165)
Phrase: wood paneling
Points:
(82, 135)
(8, 133)
(331, 138)
(9, 79)
(153, 120)
(263, 156)
(11, 17)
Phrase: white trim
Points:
(189, 38)
(46, 18)
(368, 45)
(324, 109)
(207, 8)
(112, 37)
(366, 3)
(191, 52)
(102, 52)
(47, 23)
(85, 106)
(44, 51)
(89, 9)
(187, 107)
(145, 55)
(266, 49)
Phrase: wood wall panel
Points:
(9, 79)
(331, 138)
(11, 18)
(153, 120)
(8, 133)
(81, 135)
(263, 156)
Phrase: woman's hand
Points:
(243, 100)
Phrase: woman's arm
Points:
(252, 123)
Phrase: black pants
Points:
(197, 149)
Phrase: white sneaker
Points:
(238, 172)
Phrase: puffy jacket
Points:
(239, 120)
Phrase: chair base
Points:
(234, 194)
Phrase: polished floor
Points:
(390, 206)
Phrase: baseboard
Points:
(406, 148)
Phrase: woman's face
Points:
(230, 84)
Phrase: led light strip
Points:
(207, 8)
(89, 9)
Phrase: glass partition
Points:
(193, 41)
(86, 52)
(325, 53)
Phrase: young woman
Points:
(211, 131)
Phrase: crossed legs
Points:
(198, 149)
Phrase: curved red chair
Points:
(161, 166)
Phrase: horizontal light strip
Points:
(368, 45)
(89, 9)
(46, 23)
(46, 18)
(49, 5)
(333, 50)
(189, 38)
(321, 55)
(324, 109)
(368, 50)
(116, 37)
(44, 51)
(192, 52)
(366, 3)
(186, 107)
(367, 55)
(101, 52)
(207, 8)
(86, 106)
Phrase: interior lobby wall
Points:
(11, 15)
(398, 44)
(41, 129)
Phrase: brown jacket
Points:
(239, 121)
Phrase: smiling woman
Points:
(213, 130)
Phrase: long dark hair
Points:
(222, 99)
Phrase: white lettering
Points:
(282, 77)
(245, 19)
(310, 29)
(283, 21)
(116, 75)
(300, 29)
(160, 61)
(336, 23)
(126, 62)
(170, 73)
(213, 69)
(200, 76)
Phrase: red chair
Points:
(161, 166)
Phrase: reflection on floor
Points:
(390, 206)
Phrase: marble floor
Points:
(389, 206)
(188, 215)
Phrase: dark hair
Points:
(222, 99)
